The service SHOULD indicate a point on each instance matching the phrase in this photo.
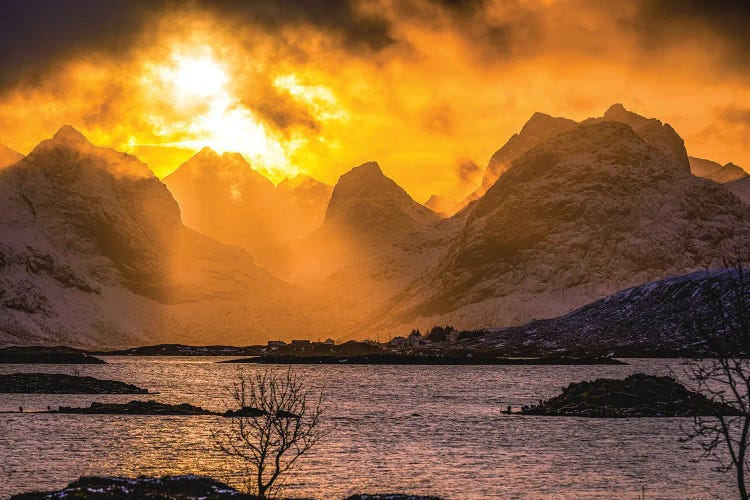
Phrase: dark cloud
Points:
(277, 107)
(735, 115)
(37, 35)
(726, 21)
(468, 171)
(440, 118)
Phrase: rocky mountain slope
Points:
(715, 171)
(595, 209)
(93, 252)
(368, 214)
(8, 156)
(375, 240)
(666, 316)
(741, 188)
(540, 128)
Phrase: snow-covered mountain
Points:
(537, 130)
(94, 252)
(670, 315)
(375, 240)
(716, 171)
(8, 156)
(593, 210)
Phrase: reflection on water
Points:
(425, 429)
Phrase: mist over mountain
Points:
(8, 156)
(374, 241)
(94, 253)
(443, 205)
(224, 197)
(304, 201)
(368, 214)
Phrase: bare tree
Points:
(278, 422)
(723, 374)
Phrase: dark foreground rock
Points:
(46, 355)
(136, 408)
(167, 487)
(390, 496)
(638, 395)
(474, 358)
(58, 383)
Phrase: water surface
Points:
(424, 429)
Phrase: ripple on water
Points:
(429, 429)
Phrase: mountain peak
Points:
(618, 113)
(538, 121)
(616, 108)
(365, 192)
(368, 168)
(70, 136)
(206, 153)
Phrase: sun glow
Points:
(197, 77)
(210, 115)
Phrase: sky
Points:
(427, 88)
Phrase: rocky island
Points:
(169, 487)
(392, 358)
(59, 383)
(638, 395)
(184, 487)
(150, 407)
(39, 355)
(185, 350)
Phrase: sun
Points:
(198, 77)
(207, 113)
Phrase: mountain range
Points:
(223, 197)
(98, 251)
(94, 252)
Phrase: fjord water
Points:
(423, 429)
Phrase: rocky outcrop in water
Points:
(167, 487)
(136, 408)
(186, 350)
(424, 358)
(187, 487)
(638, 395)
(58, 383)
(46, 355)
